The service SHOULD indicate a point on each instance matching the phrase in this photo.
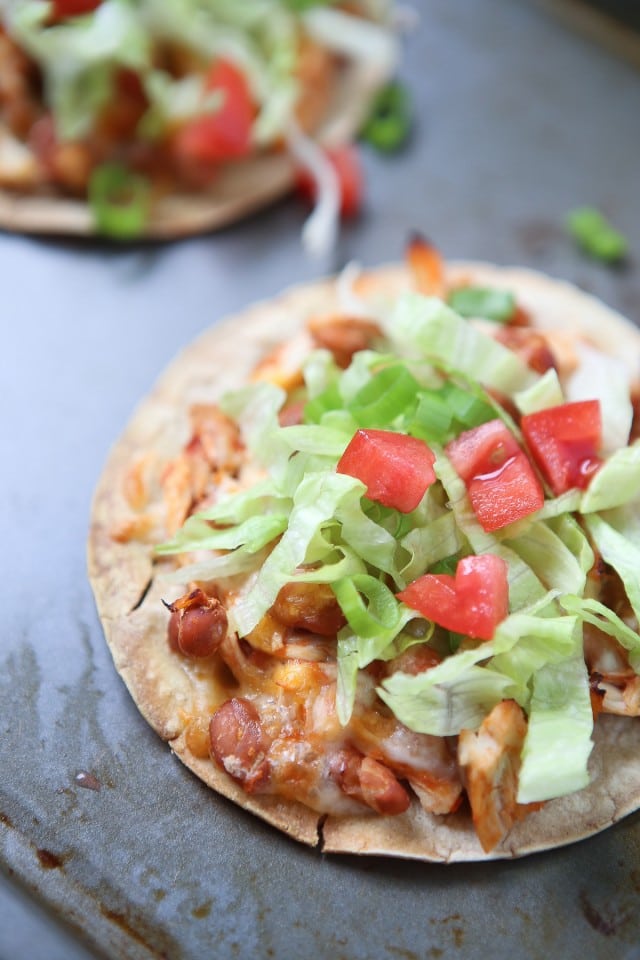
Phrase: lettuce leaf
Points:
(558, 741)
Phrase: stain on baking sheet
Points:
(453, 925)
(403, 954)
(49, 860)
(140, 931)
(614, 915)
(605, 923)
(202, 910)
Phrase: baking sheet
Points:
(518, 121)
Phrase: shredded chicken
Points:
(490, 760)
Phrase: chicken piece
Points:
(615, 686)
(490, 761)
(19, 108)
(531, 345)
(282, 366)
(183, 483)
(217, 437)
(616, 693)
(343, 335)
(315, 68)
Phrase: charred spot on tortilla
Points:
(492, 714)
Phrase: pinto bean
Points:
(380, 788)
(309, 606)
(238, 743)
(414, 660)
(370, 782)
(197, 626)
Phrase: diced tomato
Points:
(397, 469)
(564, 441)
(73, 8)
(346, 163)
(500, 480)
(472, 602)
(226, 133)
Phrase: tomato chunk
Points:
(500, 480)
(472, 602)
(225, 133)
(564, 441)
(346, 163)
(397, 469)
(73, 8)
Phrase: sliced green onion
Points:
(468, 409)
(385, 397)
(432, 420)
(485, 302)
(595, 235)
(372, 612)
(328, 399)
(444, 413)
(389, 121)
(119, 201)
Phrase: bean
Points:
(238, 743)
(309, 606)
(197, 625)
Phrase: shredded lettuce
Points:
(445, 705)
(252, 535)
(607, 379)
(79, 56)
(354, 37)
(458, 693)
(543, 393)
(425, 324)
(616, 482)
(557, 564)
(314, 505)
(483, 302)
(600, 616)
(558, 741)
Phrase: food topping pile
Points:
(410, 551)
(120, 102)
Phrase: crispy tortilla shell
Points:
(128, 588)
(240, 188)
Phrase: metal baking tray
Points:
(108, 846)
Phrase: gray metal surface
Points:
(517, 122)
